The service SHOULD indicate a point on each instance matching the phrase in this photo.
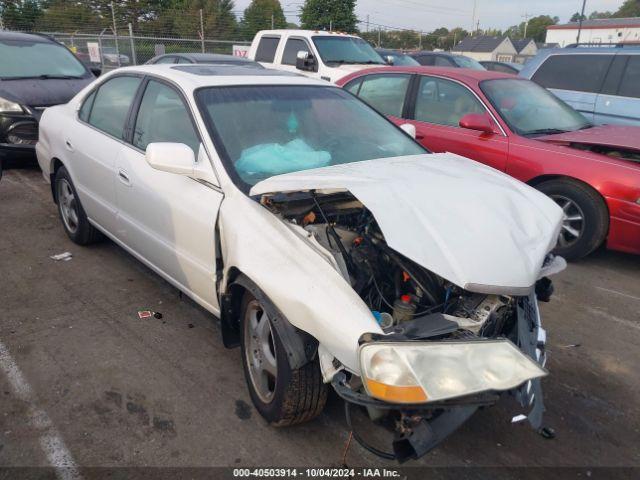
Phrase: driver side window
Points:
(444, 102)
(291, 49)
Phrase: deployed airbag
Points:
(269, 159)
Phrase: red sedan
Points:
(514, 125)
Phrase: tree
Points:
(21, 14)
(329, 14)
(262, 15)
(65, 16)
(596, 15)
(576, 17)
(218, 19)
(630, 8)
(537, 28)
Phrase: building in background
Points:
(525, 48)
(604, 30)
(483, 47)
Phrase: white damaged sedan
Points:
(334, 249)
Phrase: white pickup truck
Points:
(317, 54)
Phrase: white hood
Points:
(472, 225)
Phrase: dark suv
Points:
(36, 72)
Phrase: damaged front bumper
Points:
(421, 426)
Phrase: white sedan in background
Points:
(334, 248)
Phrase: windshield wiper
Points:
(354, 62)
(44, 77)
(546, 131)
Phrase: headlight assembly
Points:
(421, 372)
(7, 106)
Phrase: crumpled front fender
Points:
(301, 283)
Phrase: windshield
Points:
(531, 110)
(346, 50)
(22, 59)
(466, 62)
(269, 130)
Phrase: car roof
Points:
(191, 77)
(305, 33)
(26, 37)
(210, 57)
(466, 75)
(429, 52)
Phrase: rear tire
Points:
(281, 395)
(586, 219)
(73, 217)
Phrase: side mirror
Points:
(97, 71)
(389, 59)
(305, 61)
(409, 129)
(477, 121)
(171, 158)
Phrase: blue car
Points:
(602, 83)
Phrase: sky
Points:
(427, 15)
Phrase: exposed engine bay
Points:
(613, 152)
(397, 290)
(411, 303)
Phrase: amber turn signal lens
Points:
(394, 394)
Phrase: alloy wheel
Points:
(260, 351)
(573, 221)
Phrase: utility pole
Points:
(420, 41)
(202, 30)
(379, 37)
(526, 17)
(273, 22)
(115, 32)
(473, 15)
(478, 27)
(367, 23)
(584, 5)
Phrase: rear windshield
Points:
(269, 130)
(24, 59)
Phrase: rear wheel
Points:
(586, 219)
(74, 219)
(282, 396)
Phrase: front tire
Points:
(74, 219)
(281, 395)
(586, 218)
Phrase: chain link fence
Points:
(109, 51)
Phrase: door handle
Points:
(419, 136)
(69, 145)
(124, 178)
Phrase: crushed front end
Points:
(442, 351)
(426, 377)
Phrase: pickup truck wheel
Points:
(74, 219)
(586, 218)
(282, 396)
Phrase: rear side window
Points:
(112, 103)
(166, 60)
(442, 62)
(291, 49)
(630, 85)
(267, 47)
(582, 73)
(385, 93)
(426, 60)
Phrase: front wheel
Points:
(586, 219)
(282, 396)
